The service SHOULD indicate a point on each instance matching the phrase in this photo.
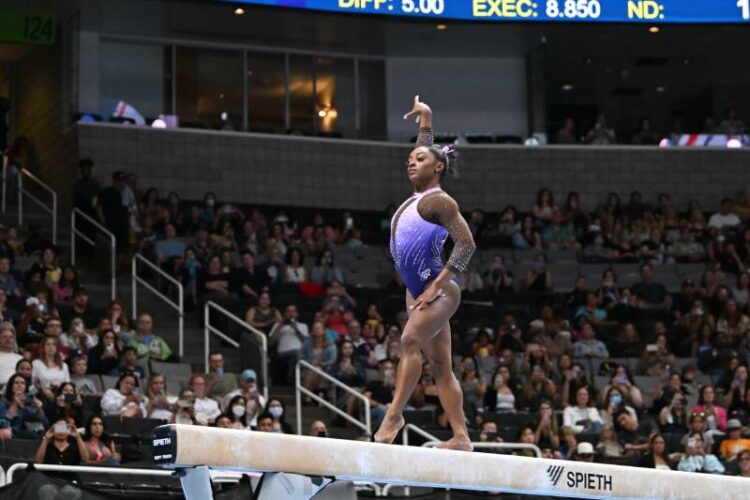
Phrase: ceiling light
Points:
(567, 87)
(441, 27)
(239, 11)
(653, 29)
(661, 88)
(322, 113)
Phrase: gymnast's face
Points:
(422, 166)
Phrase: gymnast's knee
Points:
(410, 344)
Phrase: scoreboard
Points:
(619, 11)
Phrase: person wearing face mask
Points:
(184, 409)
(614, 401)
(78, 338)
(249, 390)
(380, 391)
(276, 408)
(237, 413)
(318, 429)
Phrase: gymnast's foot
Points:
(389, 428)
(461, 443)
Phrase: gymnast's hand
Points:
(419, 109)
(430, 295)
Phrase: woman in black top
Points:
(104, 356)
(657, 457)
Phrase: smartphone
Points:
(61, 428)
(692, 442)
(652, 348)
(29, 399)
(69, 398)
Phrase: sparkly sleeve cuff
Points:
(425, 137)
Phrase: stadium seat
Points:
(182, 371)
(109, 382)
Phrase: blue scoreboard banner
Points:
(619, 11)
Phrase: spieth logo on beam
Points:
(555, 472)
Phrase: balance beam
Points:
(186, 446)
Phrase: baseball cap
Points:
(32, 301)
(585, 449)
(734, 424)
(248, 374)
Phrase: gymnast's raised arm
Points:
(425, 137)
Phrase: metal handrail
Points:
(208, 329)
(5, 179)
(112, 242)
(299, 389)
(21, 191)
(178, 306)
(2, 477)
(218, 476)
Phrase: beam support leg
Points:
(196, 483)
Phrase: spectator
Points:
(657, 457)
(248, 389)
(64, 289)
(276, 408)
(85, 190)
(84, 385)
(214, 282)
(49, 372)
(553, 342)
(472, 386)
(584, 452)
(380, 390)
(184, 410)
(500, 397)
(645, 136)
(295, 271)
(78, 339)
(249, 280)
(67, 405)
(737, 390)
(326, 270)
(582, 417)
(543, 208)
(628, 343)
(732, 124)
(663, 395)
(589, 346)
(743, 460)
(146, 344)
(263, 315)
(725, 218)
(498, 277)
(223, 422)
(160, 401)
(105, 355)
(220, 383)
(635, 435)
(558, 234)
(673, 419)
(608, 445)
(622, 379)
(169, 250)
(537, 388)
(526, 436)
(649, 294)
(237, 413)
(190, 273)
(48, 267)
(265, 422)
(124, 399)
(206, 409)
(101, 447)
(657, 357)
(733, 323)
(61, 445)
(20, 411)
(538, 278)
(614, 401)
(114, 214)
(695, 458)
(287, 336)
(129, 364)
(734, 443)
(80, 308)
(567, 134)
(318, 429)
(546, 430)
(568, 443)
(741, 291)
(601, 134)
(7, 281)
(348, 370)
(8, 356)
(715, 415)
(591, 310)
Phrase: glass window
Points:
(301, 94)
(136, 73)
(209, 88)
(334, 97)
(266, 83)
(372, 122)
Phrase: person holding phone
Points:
(695, 458)
(20, 411)
(105, 355)
(62, 444)
(67, 405)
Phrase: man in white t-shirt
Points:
(725, 218)
(288, 336)
(206, 409)
(8, 355)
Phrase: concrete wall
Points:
(281, 170)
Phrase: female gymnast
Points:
(418, 231)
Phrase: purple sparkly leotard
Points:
(416, 245)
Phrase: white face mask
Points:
(238, 410)
(276, 411)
